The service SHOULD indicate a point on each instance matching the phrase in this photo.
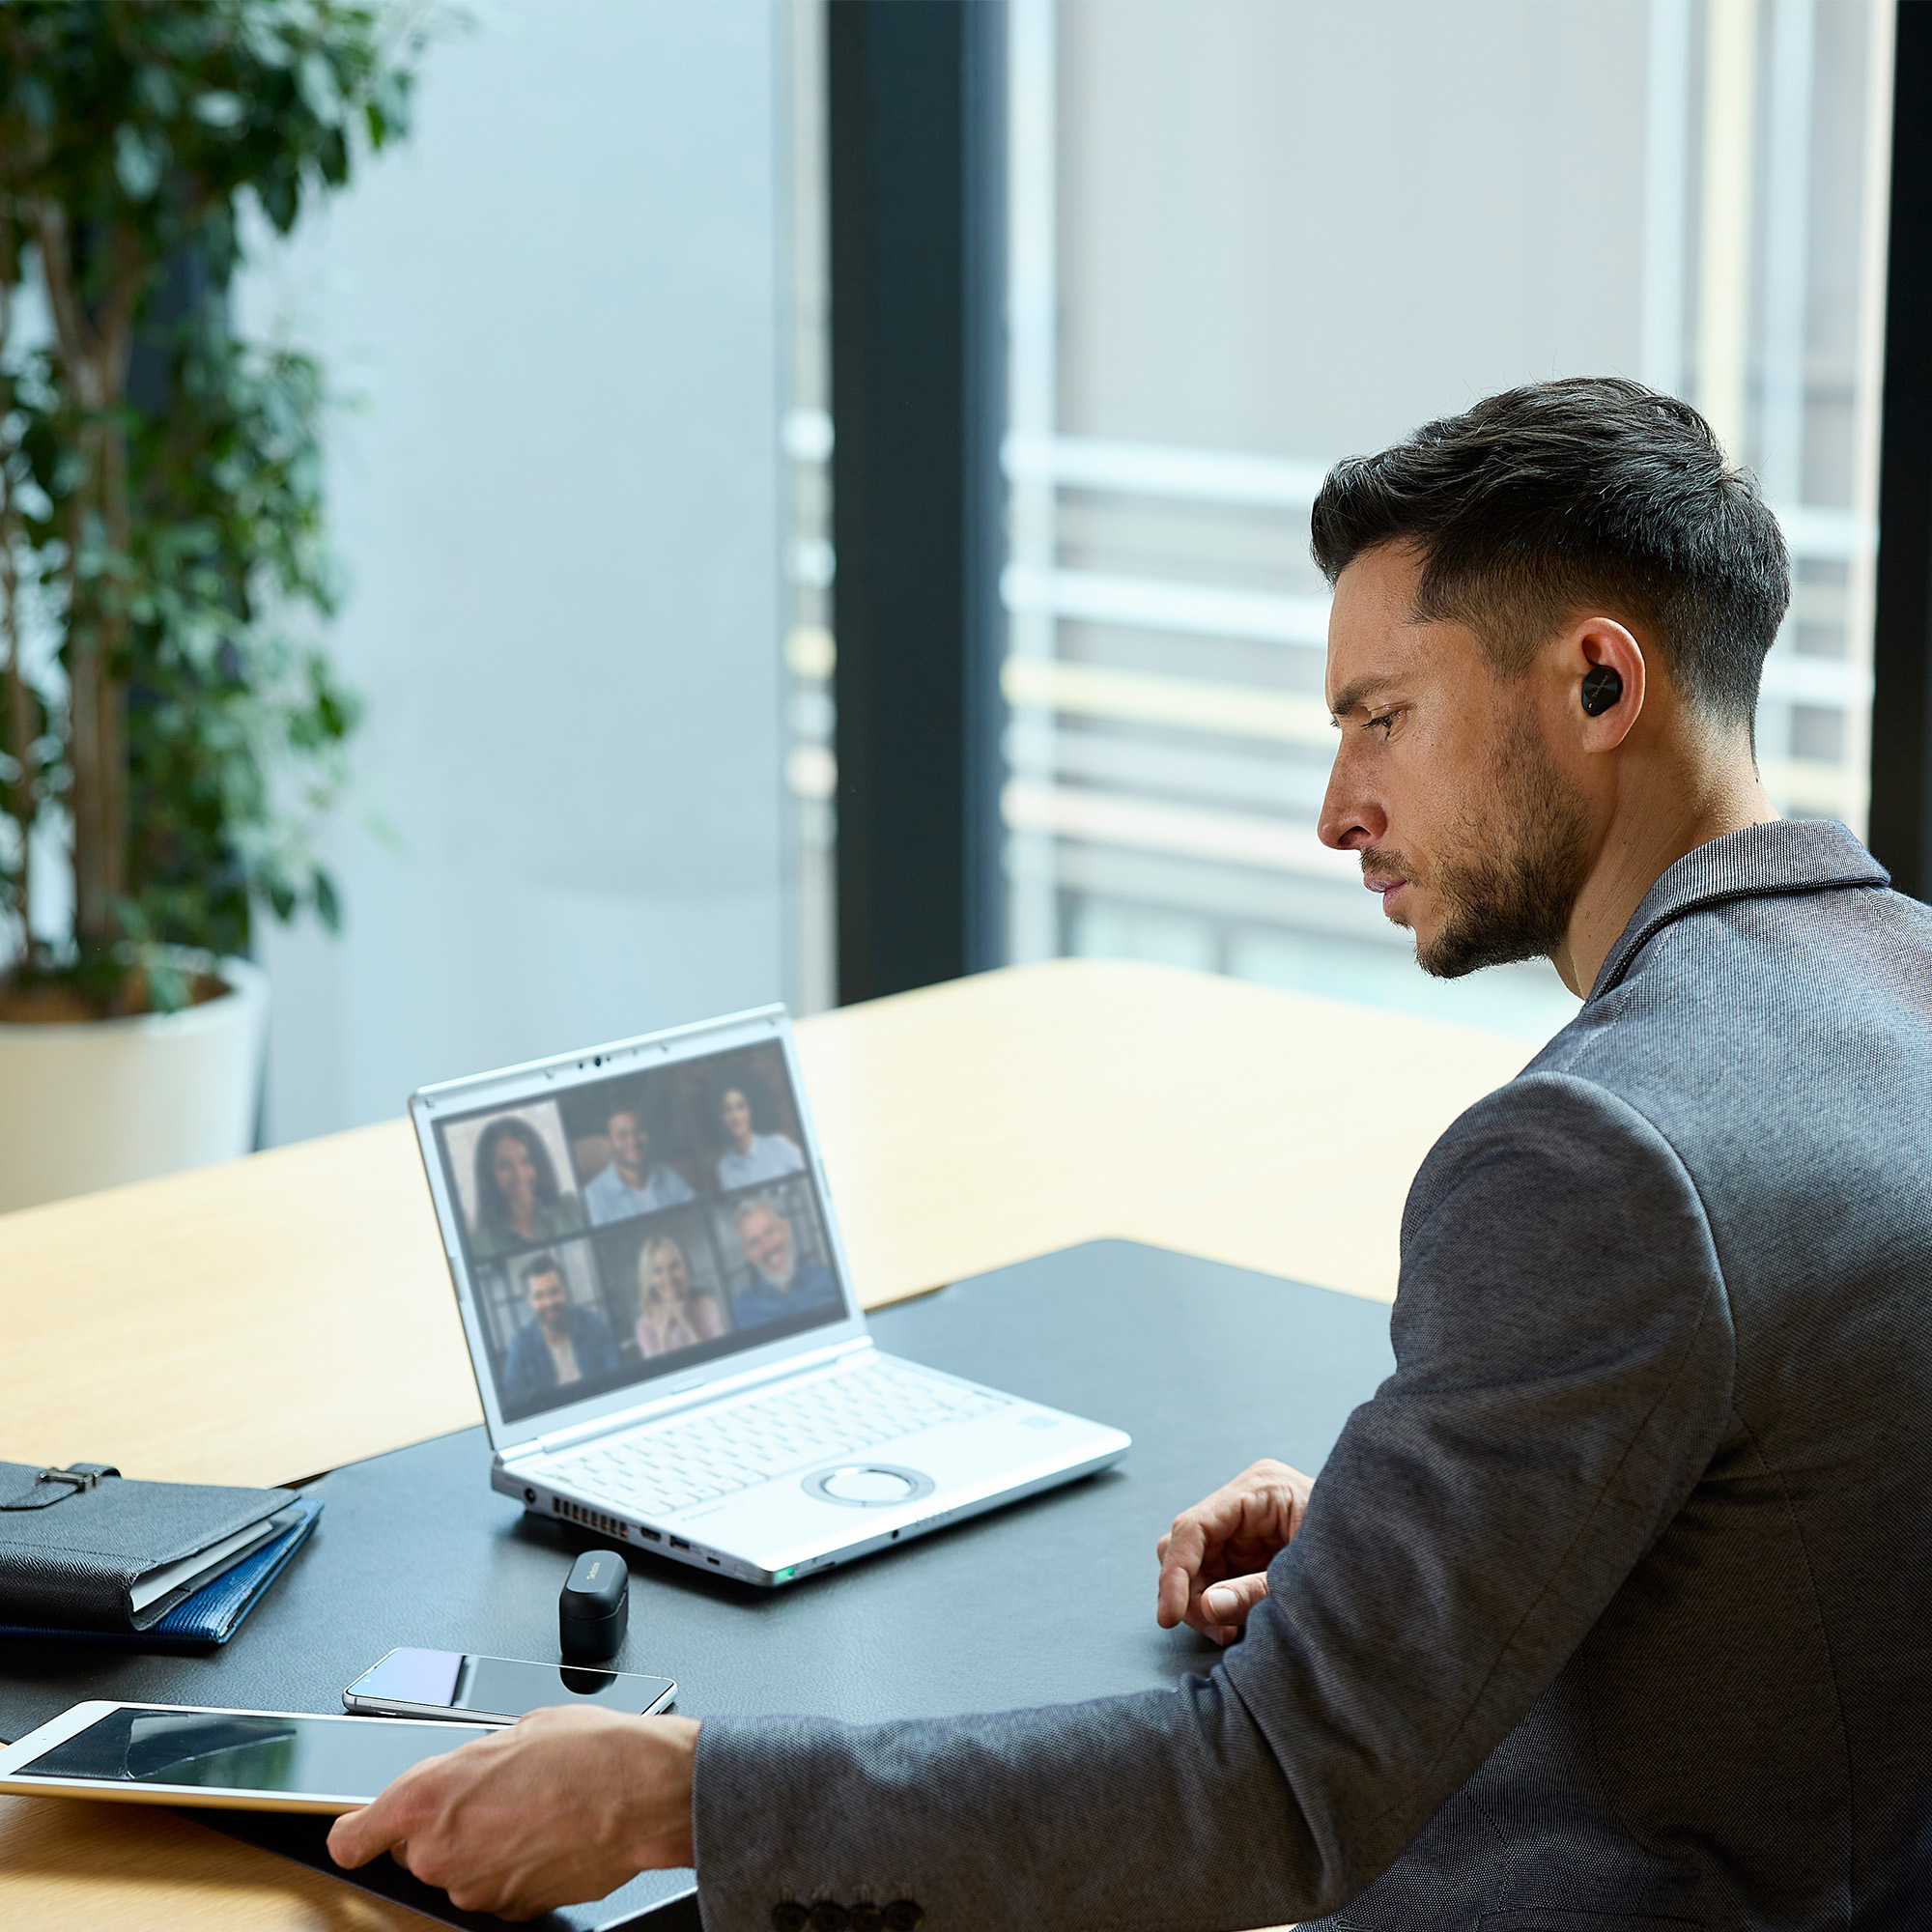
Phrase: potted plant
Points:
(169, 732)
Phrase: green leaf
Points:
(137, 162)
(314, 77)
(167, 984)
(218, 109)
(36, 100)
(279, 196)
(156, 90)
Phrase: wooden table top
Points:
(267, 1320)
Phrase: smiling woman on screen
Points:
(518, 1203)
(751, 1156)
(673, 1316)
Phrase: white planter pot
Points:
(105, 1102)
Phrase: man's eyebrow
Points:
(1357, 693)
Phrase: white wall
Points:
(558, 502)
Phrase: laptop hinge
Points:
(690, 1398)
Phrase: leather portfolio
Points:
(212, 1615)
(83, 1549)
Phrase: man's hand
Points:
(1213, 1560)
(562, 1808)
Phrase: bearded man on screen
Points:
(1607, 1611)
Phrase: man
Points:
(1607, 1611)
(560, 1344)
(633, 1184)
(782, 1287)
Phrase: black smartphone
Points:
(494, 1690)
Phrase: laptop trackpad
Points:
(867, 1484)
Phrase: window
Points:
(1248, 237)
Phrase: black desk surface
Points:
(1207, 1367)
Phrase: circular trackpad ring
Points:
(867, 1484)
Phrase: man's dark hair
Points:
(591, 1109)
(1592, 492)
(539, 1265)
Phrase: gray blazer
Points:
(1614, 1608)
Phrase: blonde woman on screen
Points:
(673, 1316)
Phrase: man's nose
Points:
(1350, 818)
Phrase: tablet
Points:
(235, 1760)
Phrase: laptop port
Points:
(678, 1542)
(651, 1536)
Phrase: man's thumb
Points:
(1230, 1603)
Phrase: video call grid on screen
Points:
(638, 1226)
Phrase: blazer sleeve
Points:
(521, 1382)
(1563, 1375)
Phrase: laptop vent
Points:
(590, 1519)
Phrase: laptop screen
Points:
(637, 1227)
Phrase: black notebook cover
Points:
(72, 1562)
(216, 1611)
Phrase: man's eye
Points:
(1383, 723)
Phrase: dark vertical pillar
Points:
(917, 351)
(1901, 741)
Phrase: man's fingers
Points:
(1171, 1596)
(353, 1841)
(1229, 1603)
(1193, 1549)
(382, 1826)
(1243, 1525)
(1220, 1611)
(566, 1805)
(1182, 1551)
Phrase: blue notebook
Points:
(213, 1614)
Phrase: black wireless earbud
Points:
(1602, 689)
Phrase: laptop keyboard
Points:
(675, 1465)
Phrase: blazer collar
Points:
(1806, 855)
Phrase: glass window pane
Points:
(1250, 237)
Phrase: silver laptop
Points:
(664, 1328)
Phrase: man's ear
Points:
(1607, 666)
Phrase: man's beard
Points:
(1524, 857)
